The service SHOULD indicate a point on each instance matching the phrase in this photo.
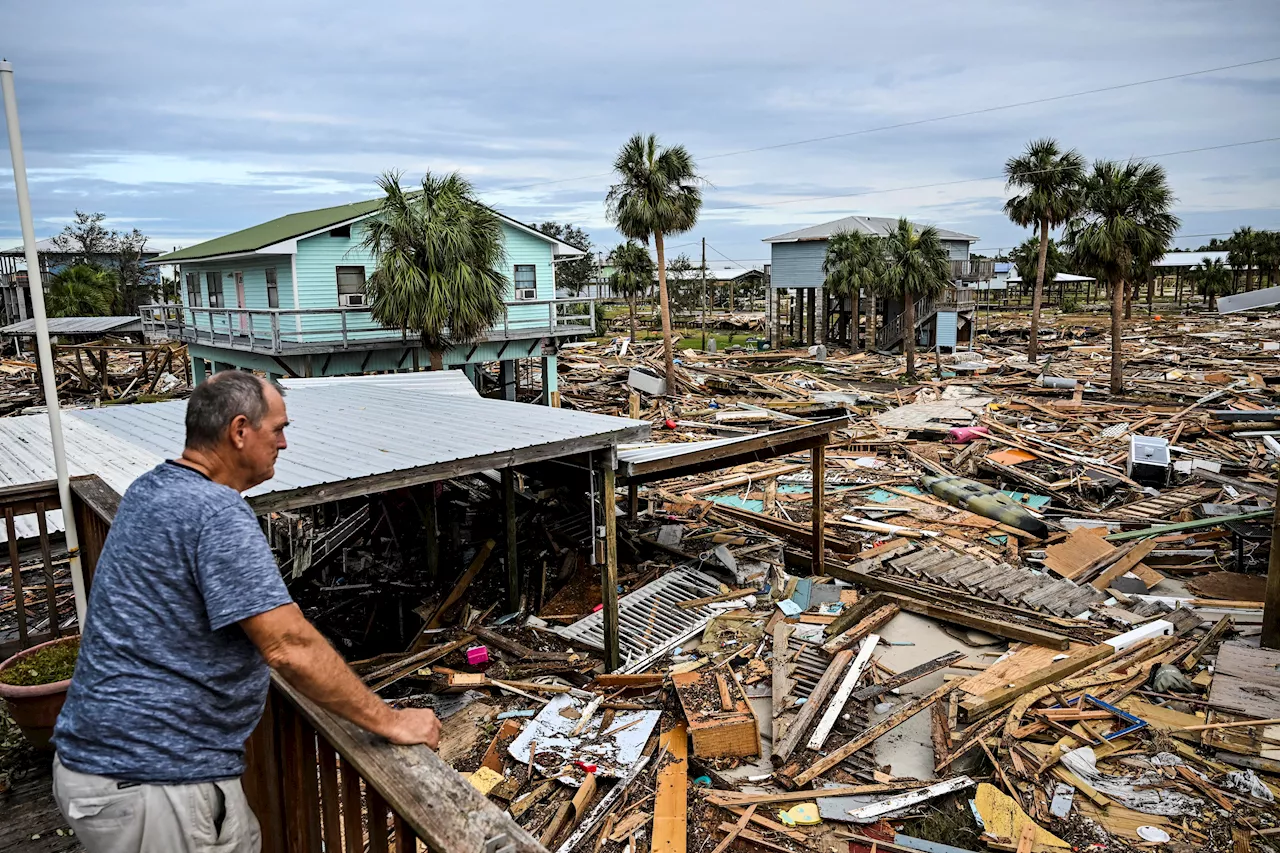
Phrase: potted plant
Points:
(33, 683)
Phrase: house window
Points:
(214, 282)
(351, 287)
(341, 231)
(273, 288)
(526, 281)
(193, 290)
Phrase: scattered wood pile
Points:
(105, 371)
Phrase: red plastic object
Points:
(590, 768)
(669, 424)
(477, 655)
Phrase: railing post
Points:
(342, 312)
(551, 316)
(275, 331)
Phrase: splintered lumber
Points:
(853, 613)
(464, 583)
(1126, 563)
(743, 798)
(754, 838)
(670, 829)
(782, 751)
(872, 811)
(737, 828)
(869, 736)
(972, 739)
(1206, 643)
(837, 703)
(604, 807)
(507, 644)
(782, 683)
(873, 622)
(913, 600)
(975, 706)
(875, 691)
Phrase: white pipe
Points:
(44, 350)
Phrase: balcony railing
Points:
(973, 269)
(279, 331)
(315, 782)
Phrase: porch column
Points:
(820, 329)
(1271, 603)
(219, 366)
(199, 371)
(550, 381)
(818, 460)
(431, 527)
(811, 306)
(507, 378)
(609, 568)
(509, 528)
(472, 372)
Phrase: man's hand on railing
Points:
(303, 657)
(415, 725)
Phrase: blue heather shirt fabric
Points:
(167, 686)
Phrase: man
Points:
(188, 611)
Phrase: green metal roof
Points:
(270, 233)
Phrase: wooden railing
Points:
(317, 783)
(973, 269)
(34, 556)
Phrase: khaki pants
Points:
(210, 817)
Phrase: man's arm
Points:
(294, 648)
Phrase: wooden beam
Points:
(975, 706)
(872, 622)
(875, 691)
(818, 514)
(809, 711)
(1271, 607)
(609, 569)
(869, 736)
(837, 703)
(670, 813)
(464, 582)
(510, 538)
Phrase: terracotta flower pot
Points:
(35, 708)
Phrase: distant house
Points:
(796, 289)
(15, 290)
(287, 297)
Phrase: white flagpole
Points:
(43, 348)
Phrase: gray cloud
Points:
(195, 119)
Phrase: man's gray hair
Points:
(219, 399)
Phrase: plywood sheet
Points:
(1082, 547)
(1247, 681)
(1022, 662)
(670, 821)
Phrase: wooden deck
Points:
(31, 817)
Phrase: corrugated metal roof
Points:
(77, 326)
(877, 225)
(339, 430)
(1190, 259)
(1062, 276)
(452, 382)
(637, 453)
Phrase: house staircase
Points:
(890, 334)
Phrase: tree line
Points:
(105, 272)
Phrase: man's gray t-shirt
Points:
(167, 686)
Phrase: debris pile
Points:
(104, 371)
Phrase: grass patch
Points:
(54, 663)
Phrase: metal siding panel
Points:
(798, 264)
(947, 329)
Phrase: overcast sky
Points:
(190, 120)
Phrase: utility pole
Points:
(704, 294)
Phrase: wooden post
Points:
(1271, 607)
(509, 519)
(609, 568)
(633, 501)
(818, 458)
(431, 526)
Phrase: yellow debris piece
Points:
(1004, 818)
(484, 780)
(802, 814)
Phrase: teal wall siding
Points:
(255, 287)
(946, 329)
(798, 264)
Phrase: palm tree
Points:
(916, 268)
(1269, 255)
(657, 194)
(632, 275)
(1027, 257)
(439, 254)
(1242, 252)
(854, 263)
(1049, 180)
(1212, 277)
(83, 290)
(1125, 216)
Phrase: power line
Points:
(974, 180)
(934, 119)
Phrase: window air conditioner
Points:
(351, 300)
(527, 293)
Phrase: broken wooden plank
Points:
(872, 622)
(872, 811)
(841, 697)
(891, 722)
(975, 706)
(670, 829)
(732, 834)
(809, 711)
(875, 691)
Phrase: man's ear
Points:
(236, 431)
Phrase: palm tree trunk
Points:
(437, 359)
(1118, 289)
(871, 320)
(668, 356)
(1037, 296)
(631, 303)
(909, 334)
